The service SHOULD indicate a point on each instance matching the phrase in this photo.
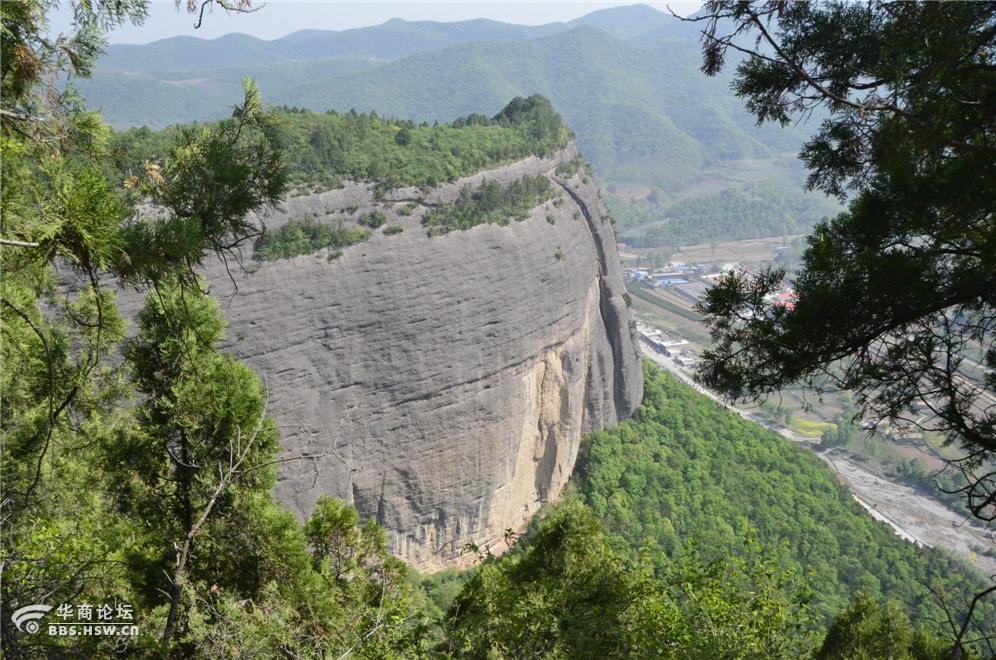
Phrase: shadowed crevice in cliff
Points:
(614, 319)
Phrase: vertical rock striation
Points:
(441, 384)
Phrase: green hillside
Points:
(626, 80)
(687, 468)
(323, 150)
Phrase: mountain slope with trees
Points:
(626, 80)
(687, 468)
(691, 532)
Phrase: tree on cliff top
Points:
(897, 295)
(537, 112)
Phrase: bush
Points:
(306, 236)
(374, 220)
(490, 204)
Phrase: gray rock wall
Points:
(440, 384)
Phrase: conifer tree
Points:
(897, 294)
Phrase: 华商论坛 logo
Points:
(28, 616)
(85, 619)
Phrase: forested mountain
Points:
(626, 80)
(685, 468)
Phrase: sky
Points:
(278, 18)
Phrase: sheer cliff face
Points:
(441, 384)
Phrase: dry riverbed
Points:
(914, 516)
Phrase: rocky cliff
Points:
(441, 384)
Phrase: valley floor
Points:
(913, 516)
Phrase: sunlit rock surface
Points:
(442, 385)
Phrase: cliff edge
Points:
(441, 384)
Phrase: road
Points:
(915, 517)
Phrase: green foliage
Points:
(94, 509)
(731, 214)
(911, 257)
(393, 230)
(324, 149)
(564, 592)
(31, 50)
(206, 182)
(443, 588)
(537, 116)
(490, 204)
(374, 219)
(572, 167)
(370, 587)
(300, 607)
(306, 236)
(866, 630)
(740, 605)
(200, 449)
(337, 545)
(211, 180)
(563, 596)
(685, 467)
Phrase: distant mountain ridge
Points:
(191, 64)
(625, 79)
(392, 40)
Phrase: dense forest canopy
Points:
(690, 532)
(323, 150)
(686, 468)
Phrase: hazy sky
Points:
(282, 17)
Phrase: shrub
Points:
(306, 236)
(374, 219)
(490, 204)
